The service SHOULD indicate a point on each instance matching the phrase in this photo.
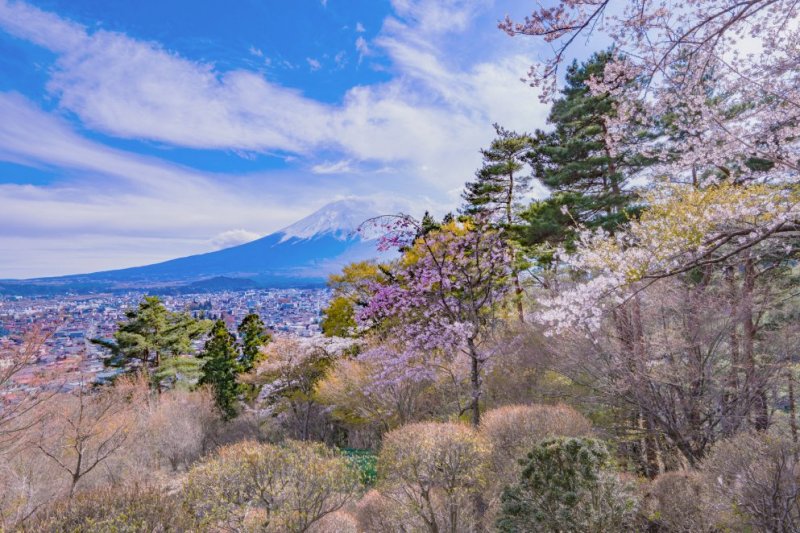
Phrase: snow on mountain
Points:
(340, 219)
(302, 254)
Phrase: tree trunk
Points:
(518, 292)
(509, 221)
(792, 409)
(732, 398)
(475, 379)
(478, 502)
(754, 386)
(306, 418)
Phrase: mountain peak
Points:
(340, 219)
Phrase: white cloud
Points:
(233, 237)
(360, 28)
(418, 133)
(362, 48)
(432, 115)
(313, 64)
(437, 16)
(332, 167)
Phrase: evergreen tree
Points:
(499, 185)
(221, 367)
(588, 178)
(427, 225)
(150, 336)
(567, 484)
(179, 371)
(501, 181)
(254, 336)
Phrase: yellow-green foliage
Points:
(432, 470)
(265, 487)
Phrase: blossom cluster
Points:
(446, 292)
(723, 74)
(683, 228)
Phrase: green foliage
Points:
(179, 371)
(151, 337)
(500, 181)
(587, 178)
(366, 464)
(254, 336)
(221, 367)
(352, 289)
(567, 485)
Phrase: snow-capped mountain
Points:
(302, 254)
(342, 219)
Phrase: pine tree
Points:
(589, 179)
(221, 367)
(254, 336)
(501, 181)
(150, 336)
(498, 187)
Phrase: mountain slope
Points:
(301, 254)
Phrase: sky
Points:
(134, 132)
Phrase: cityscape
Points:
(68, 357)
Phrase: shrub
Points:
(677, 501)
(179, 424)
(567, 485)
(754, 480)
(432, 470)
(126, 509)
(270, 487)
(514, 430)
(377, 513)
(335, 522)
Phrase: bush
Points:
(754, 479)
(335, 522)
(431, 471)
(178, 426)
(127, 509)
(567, 485)
(677, 501)
(377, 513)
(514, 430)
(269, 487)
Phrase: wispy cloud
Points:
(429, 111)
(362, 48)
(332, 167)
(423, 126)
(313, 64)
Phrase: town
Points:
(68, 356)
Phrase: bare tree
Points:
(81, 430)
(16, 403)
(687, 362)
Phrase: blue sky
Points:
(132, 132)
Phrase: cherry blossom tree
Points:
(446, 297)
(745, 50)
